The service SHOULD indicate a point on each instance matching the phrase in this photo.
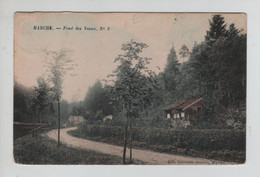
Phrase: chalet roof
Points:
(182, 105)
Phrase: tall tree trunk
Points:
(199, 86)
(130, 138)
(35, 121)
(36, 116)
(58, 122)
(125, 138)
(40, 116)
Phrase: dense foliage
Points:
(96, 104)
(21, 111)
(27, 100)
(214, 69)
(202, 140)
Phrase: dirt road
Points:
(144, 155)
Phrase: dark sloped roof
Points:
(172, 106)
(182, 105)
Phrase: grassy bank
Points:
(42, 150)
(224, 154)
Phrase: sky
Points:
(94, 51)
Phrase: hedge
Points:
(197, 139)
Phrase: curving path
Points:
(143, 155)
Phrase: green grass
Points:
(42, 150)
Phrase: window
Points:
(175, 116)
(178, 115)
(182, 114)
(168, 116)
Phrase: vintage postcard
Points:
(130, 88)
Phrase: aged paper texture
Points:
(130, 88)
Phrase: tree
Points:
(41, 100)
(22, 112)
(64, 110)
(43, 94)
(170, 73)
(187, 84)
(198, 67)
(134, 84)
(77, 108)
(217, 29)
(97, 103)
(58, 64)
(219, 66)
(229, 56)
(184, 52)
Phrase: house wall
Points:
(193, 113)
(76, 119)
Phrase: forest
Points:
(214, 69)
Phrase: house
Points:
(189, 110)
(75, 120)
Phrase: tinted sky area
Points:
(95, 51)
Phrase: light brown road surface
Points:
(147, 156)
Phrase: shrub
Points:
(197, 139)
